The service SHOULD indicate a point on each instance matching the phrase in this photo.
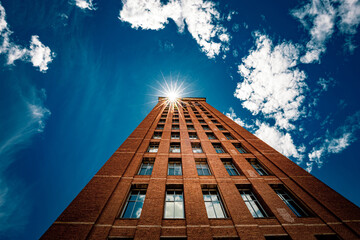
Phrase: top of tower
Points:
(185, 99)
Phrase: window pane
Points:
(169, 209)
(129, 209)
(218, 210)
(179, 210)
(137, 210)
(210, 210)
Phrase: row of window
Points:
(189, 127)
(202, 167)
(174, 207)
(196, 147)
(192, 135)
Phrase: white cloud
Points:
(280, 141)
(232, 115)
(201, 18)
(319, 18)
(38, 54)
(272, 84)
(336, 142)
(85, 4)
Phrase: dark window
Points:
(190, 127)
(220, 127)
(228, 136)
(157, 135)
(218, 148)
(196, 147)
(277, 237)
(202, 167)
(175, 127)
(230, 168)
(327, 237)
(153, 147)
(210, 136)
(205, 127)
(193, 135)
(160, 126)
(240, 148)
(175, 135)
(175, 148)
(257, 166)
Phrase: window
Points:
(198, 115)
(153, 147)
(160, 126)
(196, 147)
(174, 204)
(176, 116)
(230, 168)
(214, 121)
(279, 237)
(202, 167)
(327, 237)
(210, 136)
(193, 135)
(290, 202)
(134, 204)
(218, 148)
(187, 115)
(239, 148)
(205, 127)
(188, 121)
(175, 147)
(157, 135)
(174, 166)
(220, 127)
(163, 115)
(258, 168)
(213, 204)
(175, 127)
(228, 136)
(190, 127)
(162, 120)
(175, 120)
(175, 135)
(252, 203)
(146, 166)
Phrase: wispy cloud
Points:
(272, 84)
(18, 129)
(38, 54)
(320, 17)
(85, 4)
(232, 115)
(202, 19)
(335, 142)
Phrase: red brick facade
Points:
(96, 213)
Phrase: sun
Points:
(172, 96)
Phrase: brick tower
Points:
(189, 172)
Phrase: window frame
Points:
(174, 197)
(293, 199)
(173, 147)
(146, 161)
(252, 202)
(218, 148)
(171, 165)
(196, 144)
(134, 205)
(152, 146)
(230, 162)
(202, 163)
(219, 200)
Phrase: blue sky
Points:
(78, 76)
